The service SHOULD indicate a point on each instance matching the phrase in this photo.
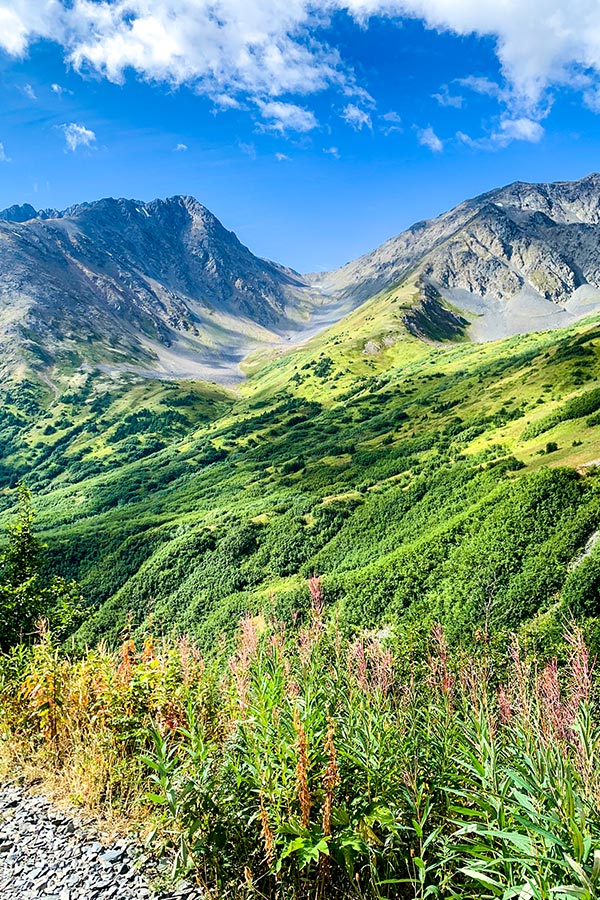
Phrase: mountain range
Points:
(163, 289)
(376, 433)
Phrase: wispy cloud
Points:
(481, 84)
(77, 135)
(284, 117)
(181, 148)
(520, 129)
(282, 157)
(506, 131)
(248, 149)
(428, 138)
(393, 123)
(332, 151)
(59, 90)
(3, 157)
(356, 117)
(445, 98)
(29, 92)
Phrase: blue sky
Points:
(313, 130)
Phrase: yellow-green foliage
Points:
(306, 766)
(365, 454)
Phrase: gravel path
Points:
(48, 854)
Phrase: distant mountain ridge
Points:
(162, 288)
(519, 252)
(150, 286)
(26, 212)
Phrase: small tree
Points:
(22, 558)
(26, 593)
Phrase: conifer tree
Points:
(27, 594)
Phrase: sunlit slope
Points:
(368, 454)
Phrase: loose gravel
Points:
(49, 854)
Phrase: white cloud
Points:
(59, 90)
(224, 101)
(428, 138)
(77, 136)
(393, 123)
(282, 117)
(282, 157)
(591, 98)
(520, 129)
(248, 149)
(332, 151)
(181, 148)
(508, 130)
(3, 157)
(356, 117)
(480, 84)
(445, 98)
(264, 49)
(29, 92)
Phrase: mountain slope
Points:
(392, 473)
(158, 286)
(162, 288)
(423, 475)
(526, 253)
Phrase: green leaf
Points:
(481, 876)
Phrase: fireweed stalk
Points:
(307, 767)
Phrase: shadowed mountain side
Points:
(520, 258)
(156, 287)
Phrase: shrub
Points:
(305, 765)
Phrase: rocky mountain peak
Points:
(16, 213)
(151, 285)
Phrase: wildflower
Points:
(504, 706)
(316, 592)
(554, 721)
(127, 660)
(148, 653)
(331, 779)
(383, 664)
(266, 832)
(357, 663)
(579, 671)
(302, 771)
(440, 674)
(239, 665)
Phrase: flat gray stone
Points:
(49, 854)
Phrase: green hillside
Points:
(423, 479)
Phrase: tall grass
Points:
(306, 767)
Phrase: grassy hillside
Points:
(422, 479)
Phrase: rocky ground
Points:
(51, 854)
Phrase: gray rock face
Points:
(542, 238)
(19, 213)
(151, 285)
(46, 853)
(162, 288)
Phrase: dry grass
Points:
(307, 768)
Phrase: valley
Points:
(284, 536)
(387, 428)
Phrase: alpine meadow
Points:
(300, 574)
